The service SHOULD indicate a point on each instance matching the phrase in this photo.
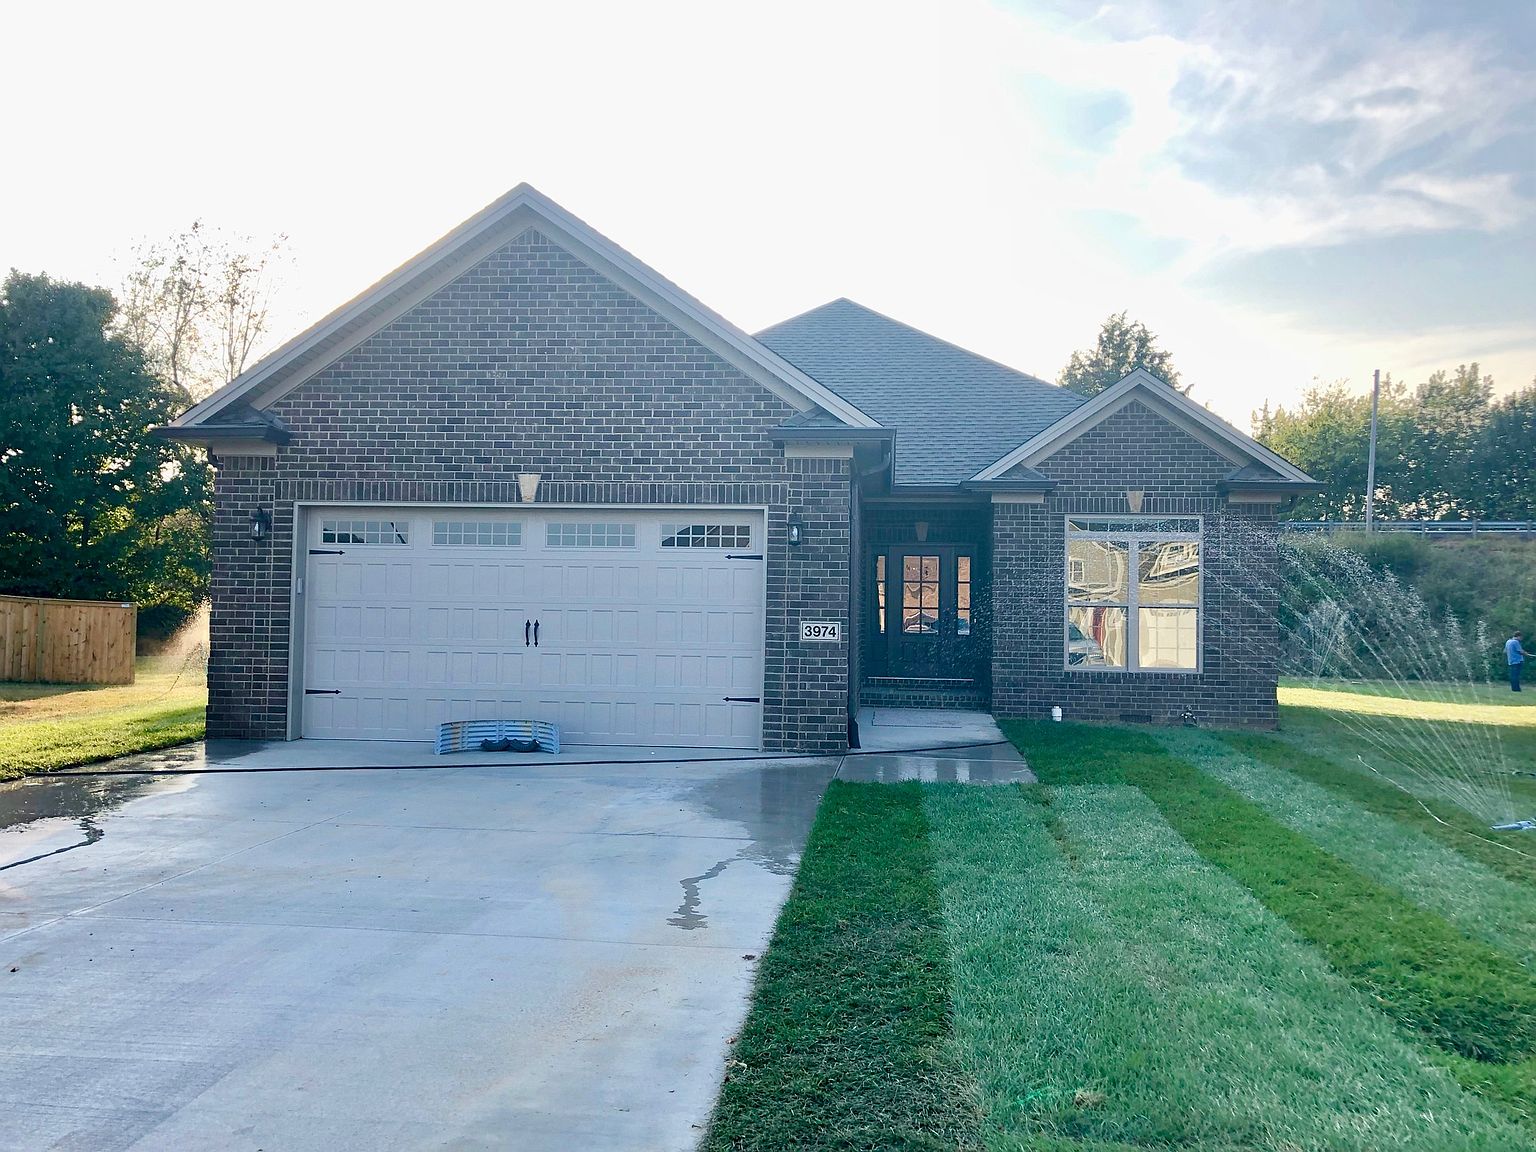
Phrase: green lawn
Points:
(44, 727)
(1180, 939)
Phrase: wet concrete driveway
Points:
(472, 957)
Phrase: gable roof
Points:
(954, 411)
(463, 248)
(1246, 453)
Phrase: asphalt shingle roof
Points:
(954, 412)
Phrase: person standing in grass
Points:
(1515, 653)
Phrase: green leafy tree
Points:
(1328, 436)
(1445, 448)
(91, 505)
(1450, 413)
(1503, 465)
(1123, 346)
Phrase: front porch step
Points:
(917, 693)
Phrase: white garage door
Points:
(622, 628)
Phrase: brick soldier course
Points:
(525, 343)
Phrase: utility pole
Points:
(1370, 461)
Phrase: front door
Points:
(923, 594)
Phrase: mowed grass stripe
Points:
(1513, 857)
(1114, 990)
(848, 1044)
(1459, 993)
(1476, 899)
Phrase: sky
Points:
(1283, 193)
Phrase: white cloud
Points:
(767, 158)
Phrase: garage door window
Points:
(365, 531)
(580, 534)
(706, 536)
(477, 533)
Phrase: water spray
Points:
(1342, 623)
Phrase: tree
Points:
(91, 505)
(1328, 436)
(1445, 449)
(1450, 415)
(1123, 346)
(198, 303)
(1502, 461)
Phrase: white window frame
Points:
(513, 528)
(1132, 536)
(671, 531)
(396, 526)
(627, 532)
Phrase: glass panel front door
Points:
(924, 610)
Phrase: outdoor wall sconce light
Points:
(261, 523)
(796, 531)
(528, 486)
(922, 531)
(1133, 497)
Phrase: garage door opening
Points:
(621, 627)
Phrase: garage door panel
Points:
(637, 645)
(490, 669)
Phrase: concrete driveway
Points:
(542, 955)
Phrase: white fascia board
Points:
(1168, 402)
(476, 239)
(818, 450)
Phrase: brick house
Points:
(525, 476)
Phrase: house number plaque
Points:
(821, 631)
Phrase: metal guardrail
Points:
(1425, 527)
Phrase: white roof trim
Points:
(1172, 403)
(476, 238)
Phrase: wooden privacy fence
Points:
(66, 641)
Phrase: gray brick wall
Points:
(533, 362)
(1136, 449)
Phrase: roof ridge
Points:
(916, 330)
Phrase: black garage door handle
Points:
(527, 624)
(744, 699)
(535, 633)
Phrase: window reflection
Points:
(1168, 572)
(919, 595)
(1120, 568)
(1096, 637)
(880, 591)
(1167, 638)
(962, 596)
(1098, 571)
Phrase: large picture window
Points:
(1133, 593)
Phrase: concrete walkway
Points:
(956, 747)
(337, 946)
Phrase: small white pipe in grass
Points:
(1056, 713)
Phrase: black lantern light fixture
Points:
(261, 523)
(796, 531)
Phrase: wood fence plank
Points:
(67, 641)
